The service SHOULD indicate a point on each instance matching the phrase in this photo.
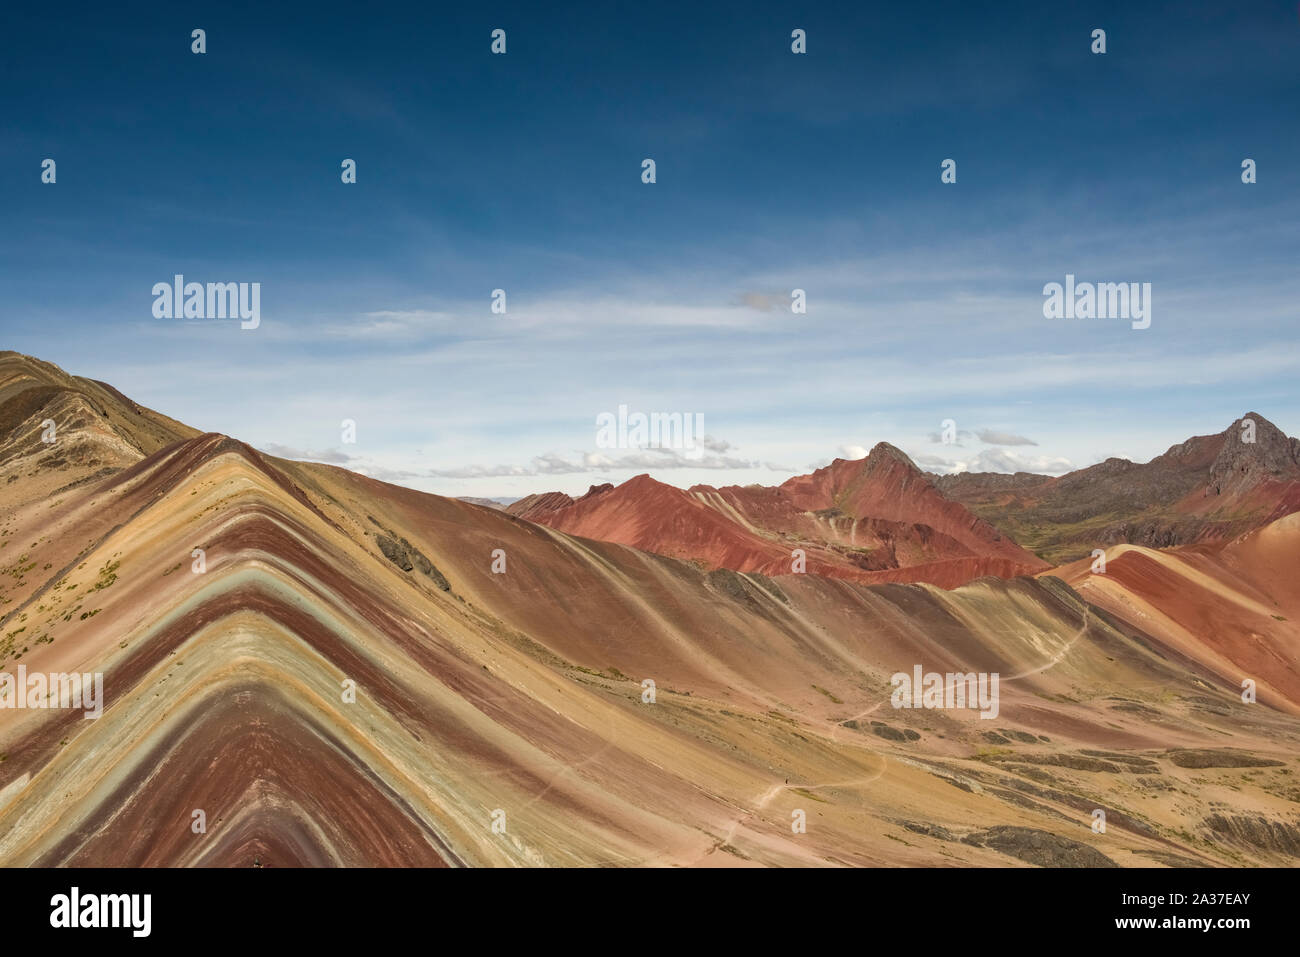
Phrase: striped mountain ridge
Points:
(516, 698)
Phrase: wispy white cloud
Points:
(330, 456)
(649, 459)
(993, 437)
(998, 460)
(393, 324)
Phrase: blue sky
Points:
(775, 171)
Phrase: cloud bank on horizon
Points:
(776, 172)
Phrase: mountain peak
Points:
(595, 490)
(1254, 450)
(883, 450)
(1255, 417)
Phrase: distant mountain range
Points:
(1208, 488)
(876, 519)
(881, 518)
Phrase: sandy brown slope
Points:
(521, 692)
(1233, 607)
(96, 429)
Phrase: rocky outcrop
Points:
(1042, 848)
